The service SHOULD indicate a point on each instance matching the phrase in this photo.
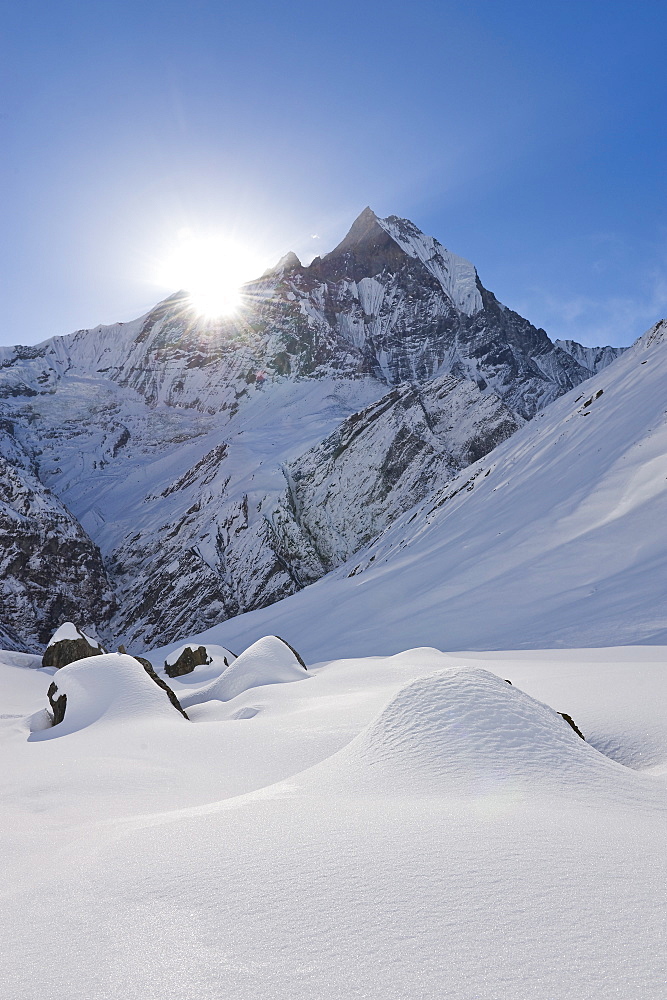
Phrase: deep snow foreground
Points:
(410, 826)
(556, 538)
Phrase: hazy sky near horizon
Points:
(527, 136)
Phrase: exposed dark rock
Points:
(63, 651)
(148, 667)
(570, 721)
(289, 646)
(190, 658)
(50, 570)
(58, 705)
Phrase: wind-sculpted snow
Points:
(270, 660)
(408, 826)
(465, 728)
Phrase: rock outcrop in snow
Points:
(67, 644)
(184, 660)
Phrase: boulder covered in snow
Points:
(270, 660)
(109, 689)
(466, 729)
(184, 660)
(67, 644)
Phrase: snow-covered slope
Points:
(559, 536)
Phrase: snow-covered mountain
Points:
(593, 358)
(558, 537)
(219, 467)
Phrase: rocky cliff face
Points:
(215, 467)
(49, 568)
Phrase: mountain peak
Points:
(364, 228)
(365, 251)
(286, 263)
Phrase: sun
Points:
(212, 269)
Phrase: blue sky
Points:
(528, 137)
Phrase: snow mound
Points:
(466, 725)
(109, 689)
(268, 661)
(69, 632)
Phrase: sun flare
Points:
(212, 269)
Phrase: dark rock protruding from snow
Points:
(296, 654)
(58, 704)
(570, 721)
(187, 659)
(148, 667)
(68, 644)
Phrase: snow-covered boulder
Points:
(270, 660)
(185, 659)
(110, 688)
(148, 667)
(467, 729)
(67, 644)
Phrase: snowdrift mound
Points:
(270, 660)
(471, 729)
(110, 688)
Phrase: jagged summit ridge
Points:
(373, 245)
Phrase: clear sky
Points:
(529, 137)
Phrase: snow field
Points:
(401, 826)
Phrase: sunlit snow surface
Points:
(410, 826)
